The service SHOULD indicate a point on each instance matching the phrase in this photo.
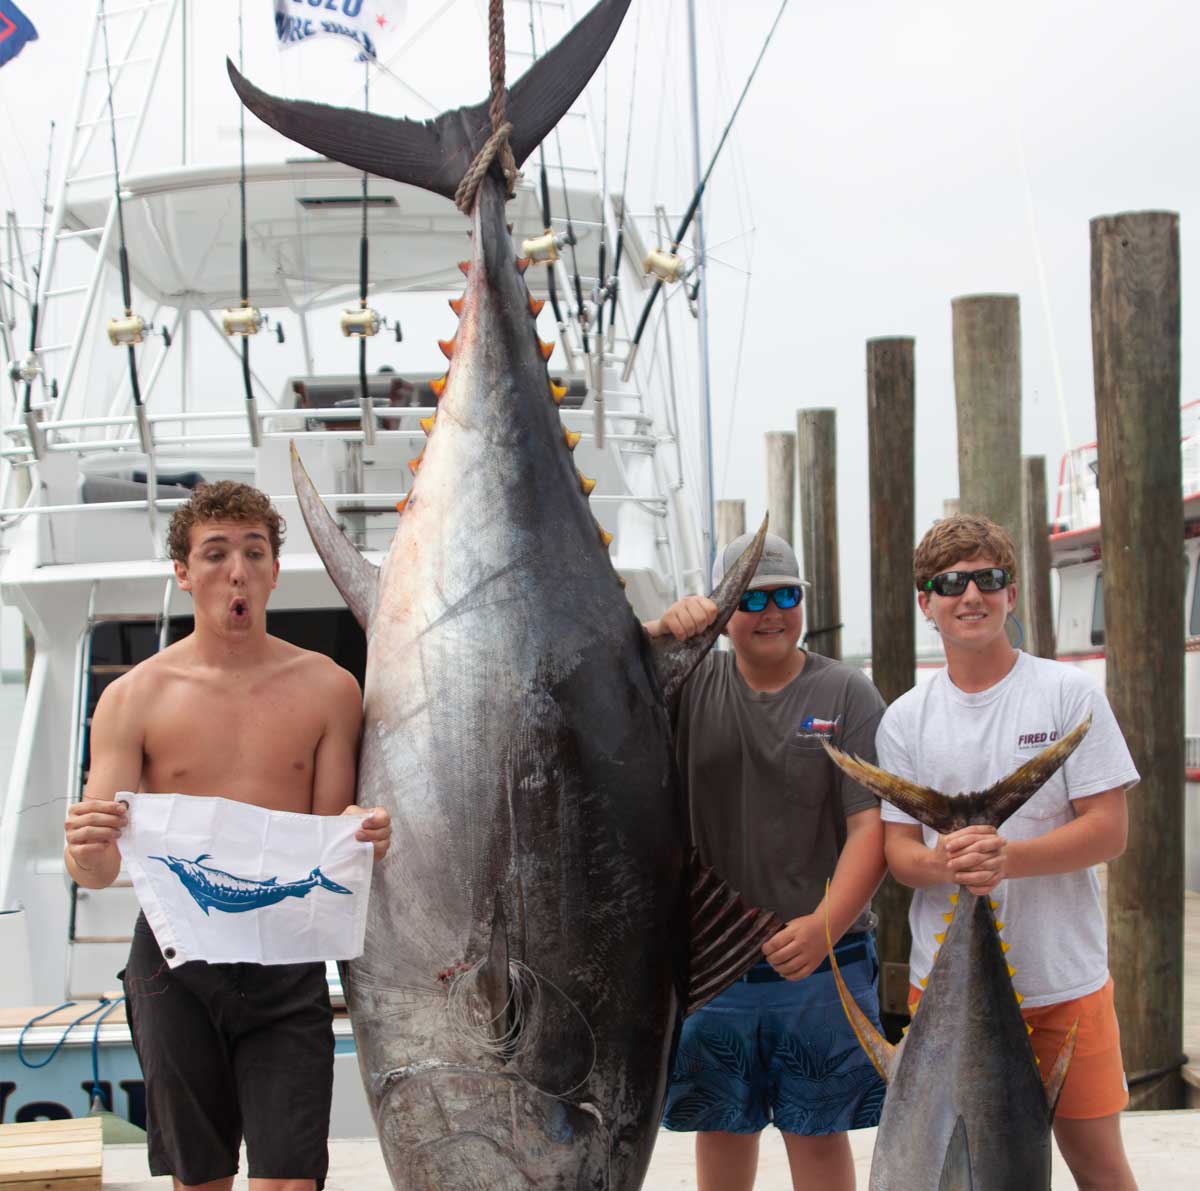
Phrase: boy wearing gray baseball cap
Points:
(774, 816)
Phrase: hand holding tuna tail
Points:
(966, 1109)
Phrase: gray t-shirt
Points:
(768, 806)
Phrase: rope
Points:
(33, 1021)
(497, 144)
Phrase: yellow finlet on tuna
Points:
(940, 939)
(558, 392)
(535, 305)
(923, 981)
(427, 424)
(522, 264)
(447, 346)
(401, 503)
(605, 537)
(571, 438)
(465, 268)
(438, 385)
(457, 304)
(585, 484)
(547, 349)
(947, 917)
(413, 464)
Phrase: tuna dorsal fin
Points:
(943, 812)
(726, 935)
(352, 575)
(879, 1050)
(956, 1170)
(675, 660)
(1058, 1073)
(435, 154)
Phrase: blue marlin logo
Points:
(213, 889)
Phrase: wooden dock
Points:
(51, 1156)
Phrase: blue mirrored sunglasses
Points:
(757, 600)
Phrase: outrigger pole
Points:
(694, 206)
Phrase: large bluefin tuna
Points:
(967, 1108)
(537, 928)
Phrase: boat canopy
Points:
(183, 227)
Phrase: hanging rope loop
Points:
(497, 144)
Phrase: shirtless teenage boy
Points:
(227, 1050)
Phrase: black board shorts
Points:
(231, 1051)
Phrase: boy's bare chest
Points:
(255, 746)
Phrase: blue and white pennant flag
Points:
(227, 882)
(368, 23)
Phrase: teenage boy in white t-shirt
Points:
(990, 710)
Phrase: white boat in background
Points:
(89, 477)
(1075, 557)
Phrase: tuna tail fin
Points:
(927, 806)
(675, 660)
(1058, 1073)
(879, 1050)
(1008, 796)
(956, 1170)
(325, 883)
(352, 575)
(436, 154)
(944, 813)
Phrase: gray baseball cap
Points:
(776, 568)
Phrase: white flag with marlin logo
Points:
(368, 23)
(228, 882)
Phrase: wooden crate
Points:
(51, 1155)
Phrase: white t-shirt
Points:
(939, 736)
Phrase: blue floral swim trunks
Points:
(772, 1051)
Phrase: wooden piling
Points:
(1034, 563)
(731, 521)
(891, 406)
(781, 483)
(1135, 357)
(987, 389)
(816, 450)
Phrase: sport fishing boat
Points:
(184, 317)
(1075, 557)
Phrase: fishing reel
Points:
(667, 267)
(131, 329)
(543, 249)
(247, 320)
(25, 371)
(365, 322)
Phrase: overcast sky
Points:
(875, 174)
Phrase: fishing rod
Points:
(615, 280)
(31, 369)
(666, 266)
(129, 330)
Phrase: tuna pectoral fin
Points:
(956, 1170)
(675, 660)
(879, 1050)
(1008, 796)
(925, 805)
(726, 935)
(435, 155)
(1058, 1073)
(352, 575)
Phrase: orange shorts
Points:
(1095, 1085)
